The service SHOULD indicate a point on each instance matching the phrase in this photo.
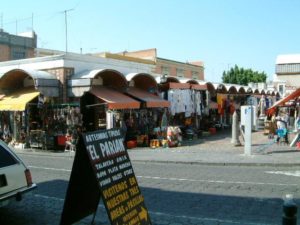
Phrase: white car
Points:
(15, 177)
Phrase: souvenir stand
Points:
(149, 122)
(210, 117)
(291, 105)
(199, 99)
(60, 119)
(18, 111)
(180, 111)
(22, 108)
(104, 108)
(233, 101)
(38, 121)
(222, 101)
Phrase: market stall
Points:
(22, 107)
(150, 119)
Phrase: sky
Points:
(221, 33)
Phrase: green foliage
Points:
(236, 75)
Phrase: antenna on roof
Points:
(66, 26)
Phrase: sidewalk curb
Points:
(220, 163)
(245, 164)
(57, 154)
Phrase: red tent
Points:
(282, 101)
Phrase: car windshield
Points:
(6, 159)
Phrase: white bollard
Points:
(248, 130)
(235, 130)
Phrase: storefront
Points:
(149, 123)
(103, 108)
(109, 99)
(23, 106)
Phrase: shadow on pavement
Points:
(164, 206)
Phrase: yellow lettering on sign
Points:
(113, 190)
(113, 202)
(135, 201)
(134, 190)
(130, 215)
(134, 220)
(132, 181)
(117, 212)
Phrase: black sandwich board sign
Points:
(102, 169)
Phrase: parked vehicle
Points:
(15, 177)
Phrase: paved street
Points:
(186, 185)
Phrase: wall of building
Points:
(144, 54)
(62, 74)
(178, 69)
(4, 52)
(291, 80)
(15, 47)
(65, 66)
(191, 70)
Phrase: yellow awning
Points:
(17, 101)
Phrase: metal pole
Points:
(66, 26)
(32, 22)
(289, 216)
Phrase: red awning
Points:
(281, 102)
(173, 85)
(114, 99)
(151, 100)
(201, 87)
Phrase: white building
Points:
(287, 73)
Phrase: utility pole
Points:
(66, 26)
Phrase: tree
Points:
(236, 75)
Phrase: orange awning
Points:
(281, 102)
(151, 100)
(114, 99)
(201, 87)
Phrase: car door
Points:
(12, 171)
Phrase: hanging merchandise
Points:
(179, 101)
(221, 101)
(198, 103)
(188, 102)
(164, 121)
